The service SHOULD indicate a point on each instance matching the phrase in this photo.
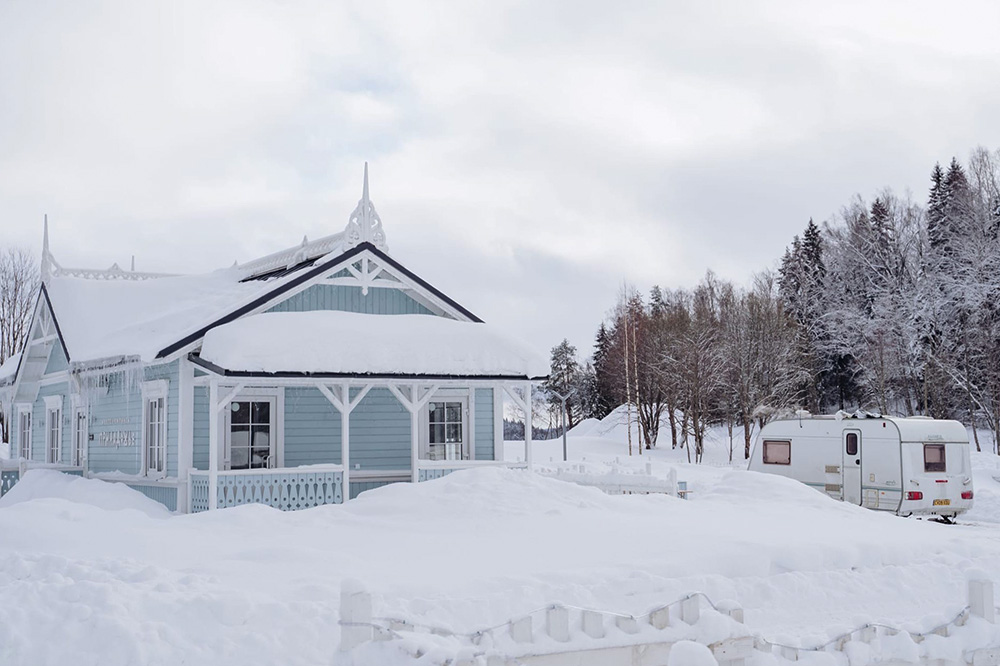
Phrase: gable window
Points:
(934, 458)
(777, 452)
(154, 427)
(24, 431)
(53, 428)
(447, 429)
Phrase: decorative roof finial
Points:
(46, 268)
(365, 226)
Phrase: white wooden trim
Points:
(153, 390)
(185, 427)
(54, 378)
(463, 396)
(78, 405)
(277, 394)
(213, 444)
(53, 403)
(25, 408)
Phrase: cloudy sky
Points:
(526, 158)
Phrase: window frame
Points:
(154, 390)
(944, 458)
(463, 398)
(764, 447)
(277, 444)
(79, 408)
(53, 428)
(847, 443)
(24, 444)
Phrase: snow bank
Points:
(41, 484)
(346, 342)
(9, 367)
(474, 549)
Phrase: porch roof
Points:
(331, 343)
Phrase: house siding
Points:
(350, 299)
(200, 427)
(119, 410)
(484, 424)
(57, 360)
(312, 428)
(380, 433)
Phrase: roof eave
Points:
(294, 374)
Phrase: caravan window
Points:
(852, 443)
(777, 453)
(934, 458)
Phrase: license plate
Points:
(942, 502)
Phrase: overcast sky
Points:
(525, 158)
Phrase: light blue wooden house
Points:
(301, 378)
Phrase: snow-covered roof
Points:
(107, 318)
(925, 430)
(9, 368)
(331, 342)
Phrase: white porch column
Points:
(213, 443)
(185, 426)
(345, 405)
(413, 404)
(527, 424)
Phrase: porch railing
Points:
(435, 469)
(11, 471)
(286, 489)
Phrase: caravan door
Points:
(851, 447)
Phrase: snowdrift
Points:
(50, 484)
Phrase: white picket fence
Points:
(561, 635)
(615, 479)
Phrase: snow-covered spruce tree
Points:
(605, 398)
(564, 379)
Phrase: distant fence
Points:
(617, 480)
(561, 634)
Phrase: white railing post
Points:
(981, 600)
(593, 624)
(355, 615)
(557, 623)
(691, 609)
(520, 630)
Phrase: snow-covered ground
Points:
(83, 581)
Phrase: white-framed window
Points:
(445, 426)
(154, 427)
(53, 428)
(254, 423)
(24, 431)
(777, 452)
(81, 434)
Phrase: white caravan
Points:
(911, 466)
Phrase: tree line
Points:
(889, 306)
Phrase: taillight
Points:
(914, 495)
(967, 494)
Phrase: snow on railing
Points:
(286, 489)
(587, 637)
(435, 469)
(616, 480)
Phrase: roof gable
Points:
(292, 285)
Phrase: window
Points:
(53, 428)
(446, 430)
(154, 427)
(250, 434)
(934, 458)
(24, 431)
(777, 453)
(852, 443)
(79, 436)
